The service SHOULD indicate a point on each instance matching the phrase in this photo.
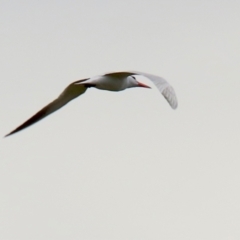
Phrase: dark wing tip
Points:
(9, 134)
(35, 118)
(14, 131)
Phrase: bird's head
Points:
(132, 82)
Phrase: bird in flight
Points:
(115, 81)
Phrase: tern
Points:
(115, 81)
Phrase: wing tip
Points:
(174, 107)
(170, 96)
(7, 135)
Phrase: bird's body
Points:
(108, 83)
(111, 82)
(116, 81)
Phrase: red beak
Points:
(143, 85)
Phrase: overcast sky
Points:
(118, 166)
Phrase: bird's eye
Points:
(133, 77)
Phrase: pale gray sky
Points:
(116, 166)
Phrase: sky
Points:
(116, 166)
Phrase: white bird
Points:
(115, 81)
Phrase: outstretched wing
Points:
(163, 86)
(70, 92)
